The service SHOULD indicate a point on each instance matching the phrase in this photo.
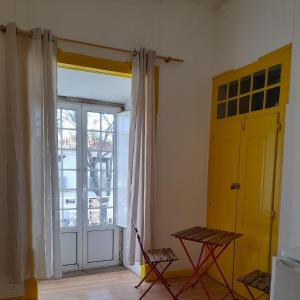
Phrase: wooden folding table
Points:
(213, 244)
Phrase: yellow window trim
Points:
(93, 64)
(79, 62)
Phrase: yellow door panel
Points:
(223, 171)
(255, 197)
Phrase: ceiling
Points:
(88, 85)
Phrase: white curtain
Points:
(141, 152)
(28, 137)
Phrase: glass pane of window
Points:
(110, 216)
(93, 141)
(106, 142)
(107, 122)
(59, 139)
(244, 104)
(94, 179)
(68, 159)
(60, 178)
(222, 92)
(274, 74)
(69, 179)
(68, 118)
(232, 108)
(68, 139)
(273, 96)
(68, 218)
(94, 199)
(93, 121)
(93, 159)
(221, 113)
(107, 161)
(257, 101)
(245, 85)
(58, 118)
(59, 159)
(69, 199)
(107, 180)
(94, 217)
(233, 88)
(107, 197)
(259, 79)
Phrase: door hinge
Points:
(279, 127)
(271, 214)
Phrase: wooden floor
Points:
(119, 286)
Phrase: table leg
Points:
(212, 251)
(196, 269)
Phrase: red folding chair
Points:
(156, 258)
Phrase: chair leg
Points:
(148, 273)
(159, 276)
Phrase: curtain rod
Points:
(61, 39)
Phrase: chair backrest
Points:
(140, 242)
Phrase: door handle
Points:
(235, 186)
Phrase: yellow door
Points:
(255, 196)
(223, 171)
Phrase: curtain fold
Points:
(29, 136)
(16, 139)
(141, 152)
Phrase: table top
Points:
(207, 235)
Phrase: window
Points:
(254, 92)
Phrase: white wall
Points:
(181, 28)
(244, 31)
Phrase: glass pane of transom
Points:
(257, 102)
(274, 74)
(273, 96)
(244, 104)
(259, 79)
(221, 111)
(245, 85)
(232, 108)
(222, 92)
(233, 88)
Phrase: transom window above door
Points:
(253, 92)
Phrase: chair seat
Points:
(161, 255)
(258, 280)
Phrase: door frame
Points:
(61, 104)
(85, 227)
(280, 56)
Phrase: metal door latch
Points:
(235, 186)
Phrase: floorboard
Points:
(119, 286)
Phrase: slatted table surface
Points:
(207, 235)
(258, 280)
